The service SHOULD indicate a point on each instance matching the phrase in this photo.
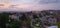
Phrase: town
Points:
(32, 19)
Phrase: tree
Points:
(15, 24)
(3, 20)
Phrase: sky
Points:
(28, 5)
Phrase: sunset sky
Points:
(29, 5)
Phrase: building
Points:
(14, 17)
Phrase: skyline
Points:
(28, 5)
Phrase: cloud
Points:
(30, 4)
(29, 1)
(13, 6)
(1, 4)
(48, 1)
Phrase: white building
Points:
(53, 27)
(14, 17)
(52, 21)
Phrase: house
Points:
(48, 20)
(52, 21)
(14, 17)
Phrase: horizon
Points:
(28, 11)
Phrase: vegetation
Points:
(4, 19)
(58, 23)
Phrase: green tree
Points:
(3, 20)
(15, 24)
